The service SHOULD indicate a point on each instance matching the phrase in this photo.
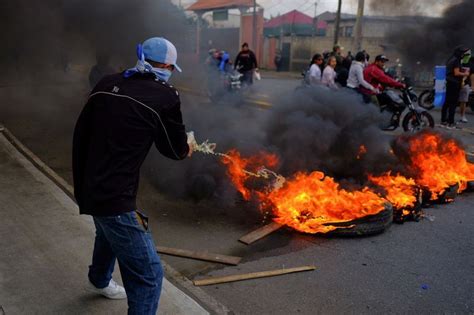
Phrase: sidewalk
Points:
(284, 75)
(46, 249)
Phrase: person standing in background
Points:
(467, 65)
(278, 60)
(454, 78)
(246, 63)
(356, 79)
(314, 73)
(329, 74)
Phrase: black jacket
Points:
(245, 61)
(114, 132)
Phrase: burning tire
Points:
(446, 197)
(370, 225)
(470, 186)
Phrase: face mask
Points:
(163, 74)
(466, 59)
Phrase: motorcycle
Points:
(396, 103)
(426, 99)
(225, 86)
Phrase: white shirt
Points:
(356, 77)
(329, 77)
(314, 74)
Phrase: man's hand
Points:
(191, 142)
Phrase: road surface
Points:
(423, 267)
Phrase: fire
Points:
(438, 163)
(312, 202)
(400, 190)
(362, 152)
(315, 203)
(309, 203)
(239, 169)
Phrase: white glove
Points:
(376, 91)
(191, 142)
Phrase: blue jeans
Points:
(126, 238)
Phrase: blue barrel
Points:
(440, 86)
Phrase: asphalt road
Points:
(424, 267)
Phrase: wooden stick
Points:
(260, 233)
(254, 275)
(223, 259)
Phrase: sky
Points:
(275, 7)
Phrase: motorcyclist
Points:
(341, 70)
(356, 80)
(314, 73)
(374, 74)
(224, 61)
(211, 59)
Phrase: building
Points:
(299, 47)
(296, 36)
(226, 24)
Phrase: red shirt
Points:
(378, 79)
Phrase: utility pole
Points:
(358, 26)
(338, 22)
(315, 20)
(254, 26)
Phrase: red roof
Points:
(292, 17)
(219, 4)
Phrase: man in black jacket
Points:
(246, 63)
(125, 114)
(454, 79)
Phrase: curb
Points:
(204, 299)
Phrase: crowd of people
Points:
(370, 79)
(245, 62)
(355, 73)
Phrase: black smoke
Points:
(314, 129)
(41, 37)
(433, 41)
(409, 7)
(326, 130)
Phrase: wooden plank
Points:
(254, 275)
(223, 259)
(260, 233)
(36, 161)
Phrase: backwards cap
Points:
(161, 50)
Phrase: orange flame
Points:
(309, 203)
(238, 168)
(362, 152)
(439, 163)
(400, 190)
(312, 202)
